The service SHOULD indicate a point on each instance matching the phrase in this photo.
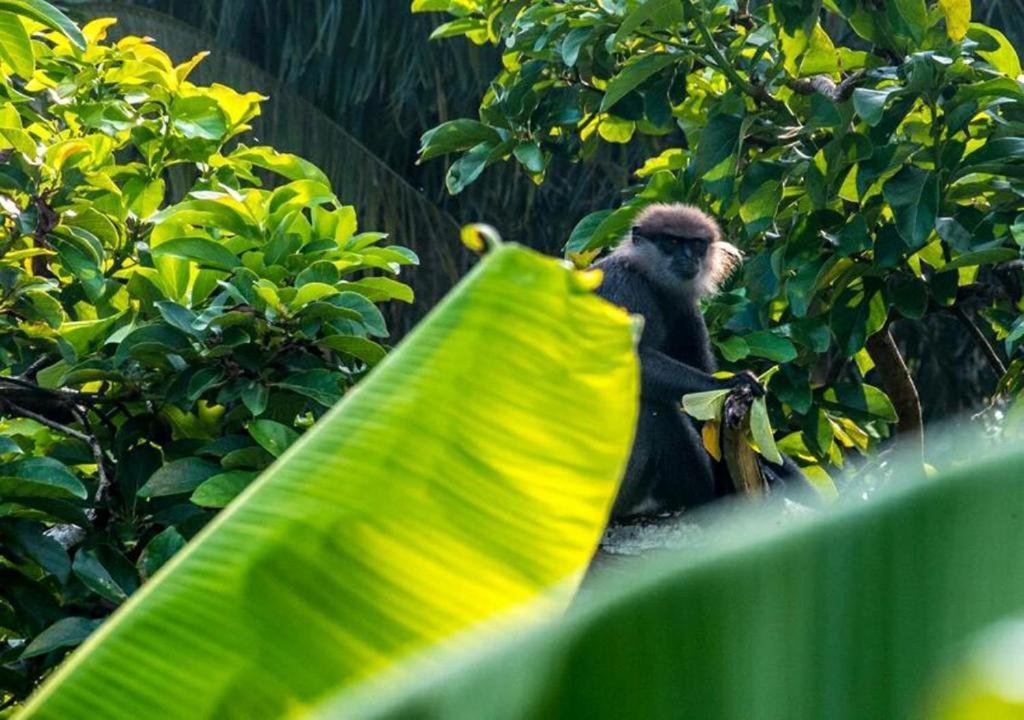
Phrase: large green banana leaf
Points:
(463, 484)
(854, 616)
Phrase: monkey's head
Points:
(682, 247)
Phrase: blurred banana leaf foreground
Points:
(463, 485)
(852, 616)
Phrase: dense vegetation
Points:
(867, 182)
(177, 306)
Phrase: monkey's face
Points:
(685, 257)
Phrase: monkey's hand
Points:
(748, 382)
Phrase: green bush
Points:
(176, 308)
(867, 184)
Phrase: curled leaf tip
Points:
(480, 237)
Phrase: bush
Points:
(867, 184)
(170, 323)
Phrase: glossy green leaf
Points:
(468, 477)
(1004, 57)
(39, 477)
(705, 405)
(221, 489)
(177, 477)
(200, 250)
(761, 431)
(45, 13)
(272, 436)
(914, 196)
(16, 45)
(66, 632)
(633, 75)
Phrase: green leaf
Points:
(159, 550)
(573, 42)
(632, 75)
(761, 430)
(456, 136)
(321, 385)
(274, 437)
(870, 104)
(200, 250)
(705, 405)
(287, 165)
(661, 14)
(991, 256)
(468, 167)
(910, 296)
(66, 632)
(467, 479)
(39, 477)
(838, 663)
(1004, 57)
(915, 15)
(366, 350)
(531, 157)
(16, 45)
(868, 400)
(45, 13)
(771, 346)
(221, 489)
(199, 117)
(88, 568)
(32, 540)
(913, 194)
(178, 477)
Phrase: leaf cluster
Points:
(866, 184)
(176, 306)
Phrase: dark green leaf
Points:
(159, 550)
(914, 196)
(180, 476)
(274, 437)
(221, 489)
(65, 633)
(200, 250)
(634, 74)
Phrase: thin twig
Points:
(979, 337)
(103, 486)
(43, 420)
(730, 72)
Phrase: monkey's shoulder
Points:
(625, 284)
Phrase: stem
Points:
(725, 67)
(899, 386)
(979, 337)
(43, 420)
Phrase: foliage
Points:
(169, 323)
(866, 184)
(860, 613)
(470, 476)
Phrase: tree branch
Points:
(899, 386)
(979, 338)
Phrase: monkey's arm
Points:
(665, 379)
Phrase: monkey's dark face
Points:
(685, 257)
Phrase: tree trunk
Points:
(899, 386)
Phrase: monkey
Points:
(673, 256)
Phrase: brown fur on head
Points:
(683, 222)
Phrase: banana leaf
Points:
(462, 486)
(854, 615)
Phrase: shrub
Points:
(176, 305)
(867, 184)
